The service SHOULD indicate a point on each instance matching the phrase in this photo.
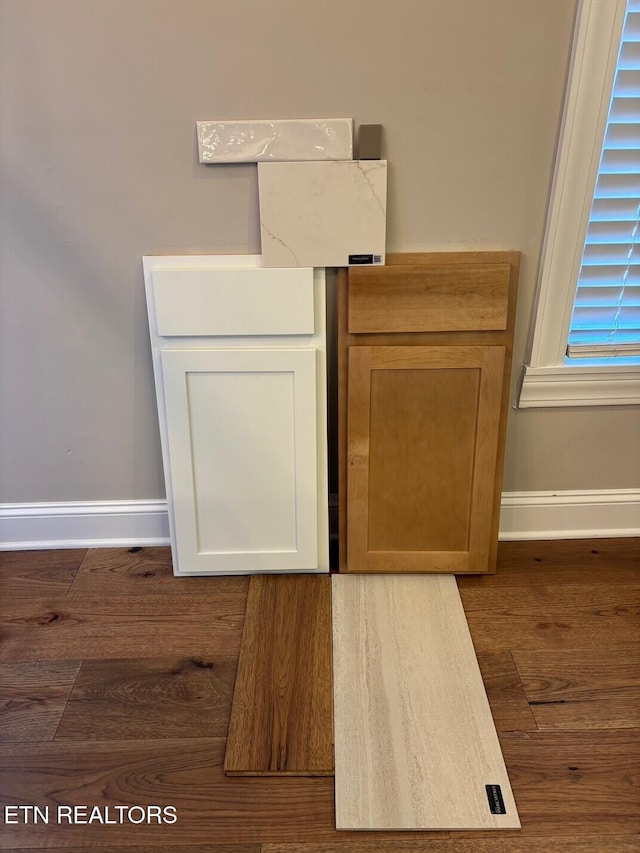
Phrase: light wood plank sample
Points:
(281, 716)
(415, 741)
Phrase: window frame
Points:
(547, 380)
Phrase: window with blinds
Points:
(606, 314)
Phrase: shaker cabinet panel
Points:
(239, 358)
(242, 444)
(424, 355)
(422, 442)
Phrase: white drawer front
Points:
(209, 302)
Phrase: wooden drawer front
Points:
(451, 298)
(199, 303)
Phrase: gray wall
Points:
(98, 108)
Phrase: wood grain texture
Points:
(357, 450)
(543, 599)
(121, 626)
(33, 697)
(404, 268)
(575, 689)
(147, 848)
(281, 720)
(521, 600)
(142, 571)
(415, 740)
(411, 432)
(344, 339)
(163, 697)
(138, 571)
(445, 258)
(585, 844)
(28, 573)
(575, 783)
(591, 808)
(509, 706)
(482, 541)
(429, 298)
(612, 620)
(186, 773)
(565, 561)
(422, 444)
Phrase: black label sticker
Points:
(360, 259)
(496, 803)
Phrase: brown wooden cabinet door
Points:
(422, 439)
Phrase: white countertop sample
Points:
(323, 214)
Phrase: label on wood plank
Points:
(365, 259)
(496, 803)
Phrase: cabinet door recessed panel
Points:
(244, 460)
(242, 438)
(422, 422)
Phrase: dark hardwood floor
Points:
(117, 679)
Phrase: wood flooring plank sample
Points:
(281, 716)
(416, 746)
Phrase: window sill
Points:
(551, 387)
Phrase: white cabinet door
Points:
(239, 357)
(241, 428)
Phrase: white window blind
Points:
(606, 316)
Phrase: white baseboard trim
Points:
(120, 524)
(570, 515)
(83, 524)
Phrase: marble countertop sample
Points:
(276, 140)
(323, 214)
